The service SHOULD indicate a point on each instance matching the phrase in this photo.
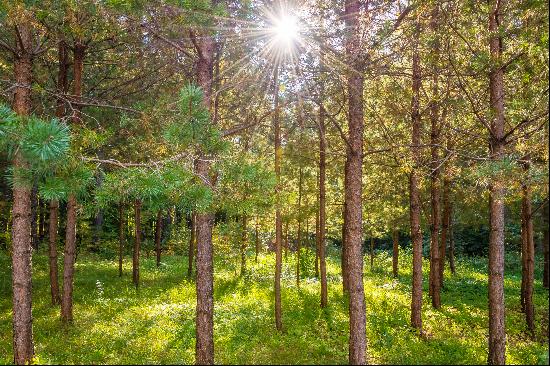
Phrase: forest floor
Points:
(114, 323)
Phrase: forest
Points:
(274, 182)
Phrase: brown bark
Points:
(121, 236)
(278, 222)
(497, 335)
(299, 240)
(41, 219)
(451, 242)
(34, 217)
(244, 244)
(192, 240)
(23, 349)
(204, 321)
(546, 245)
(444, 228)
(322, 207)
(79, 52)
(528, 257)
(137, 243)
(317, 243)
(62, 77)
(344, 255)
(435, 260)
(353, 188)
(395, 258)
(68, 261)
(54, 278)
(158, 230)
(414, 194)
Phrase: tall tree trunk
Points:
(444, 227)
(278, 222)
(435, 172)
(528, 245)
(68, 261)
(192, 239)
(317, 243)
(395, 258)
(497, 333)
(299, 240)
(286, 240)
(353, 188)
(54, 281)
(41, 219)
(23, 349)
(546, 244)
(344, 255)
(414, 194)
(137, 243)
(451, 242)
(322, 206)
(244, 243)
(121, 236)
(99, 217)
(204, 321)
(158, 230)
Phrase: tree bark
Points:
(414, 194)
(121, 236)
(137, 243)
(395, 258)
(444, 227)
(278, 222)
(435, 260)
(344, 255)
(353, 188)
(299, 240)
(54, 278)
(204, 345)
(34, 216)
(497, 334)
(546, 244)
(158, 230)
(451, 242)
(68, 261)
(317, 243)
(322, 207)
(528, 255)
(23, 348)
(244, 243)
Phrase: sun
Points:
(285, 30)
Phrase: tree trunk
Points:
(546, 244)
(158, 230)
(497, 334)
(414, 194)
(371, 251)
(23, 349)
(444, 228)
(395, 258)
(204, 321)
(137, 243)
(120, 236)
(322, 207)
(344, 255)
(41, 219)
(353, 188)
(278, 222)
(528, 245)
(192, 239)
(244, 243)
(286, 240)
(54, 281)
(34, 217)
(299, 240)
(317, 242)
(451, 243)
(68, 261)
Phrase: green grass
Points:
(114, 323)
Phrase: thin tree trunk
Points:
(322, 207)
(395, 257)
(192, 239)
(41, 219)
(497, 333)
(158, 230)
(344, 255)
(120, 236)
(204, 321)
(299, 242)
(451, 242)
(34, 217)
(137, 243)
(286, 240)
(546, 244)
(68, 261)
(444, 228)
(54, 278)
(414, 194)
(23, 349)
(278, 222)
(244, 243)
(529, 250)
(353, 188)
(317, 243)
